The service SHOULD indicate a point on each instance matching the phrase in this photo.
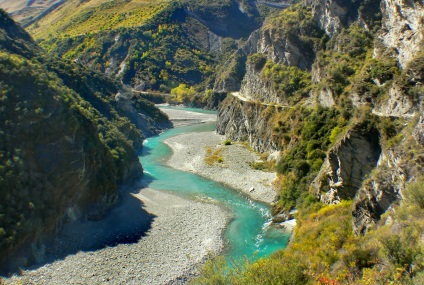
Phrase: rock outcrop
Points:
(379, 192)
(255, 87)
(397, 166)
(398, 104)
(402, 29)
(334, 15)
(347, 164)
(247, 121)
(142, 113)
(418, 132)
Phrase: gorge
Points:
(329, 93)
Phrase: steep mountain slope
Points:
(65, 144)
(335, 88)
(149, 44)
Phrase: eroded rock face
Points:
(398, 104)
(324, 96)
(402, 28)
(346, 166)
(254, 86)
(418, 132)
(285, 48)
(378, 193)
(142, 120)
(334, 15)
(331, 16)
(397, 166)
(246, 121)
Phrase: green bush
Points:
(414, 192)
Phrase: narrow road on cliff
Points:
(245, 99)
(281, 5)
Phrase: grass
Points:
(213, 156)
(75, 18)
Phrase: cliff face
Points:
(255, 87)
(65, 146)
(247, 121)
(347, 165)
(332, 16)
(402, 29)
(379, 193)
(290, 41)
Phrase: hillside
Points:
(329, 92)
(66, 144)
(334, 90)
(150, 45)
(28, 11)
(76, 17)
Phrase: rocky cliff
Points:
(358, 59)
(335, 15)
(290, 38)
(402, 29)
(348, 163)
(255, 87)
(247, 121)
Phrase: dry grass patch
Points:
(213, 156)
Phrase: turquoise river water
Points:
(248, 234)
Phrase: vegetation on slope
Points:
(64, 146)
(391, 252)
(154, 45)
(77, 17)
(158, 54)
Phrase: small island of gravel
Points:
(234, 166)
(234, 169)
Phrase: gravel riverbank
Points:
(190, 151)
(181, 117)
(234, 170)
(180, 238)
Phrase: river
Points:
(154, 237)
(249, 233)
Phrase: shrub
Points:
(414, 193)
(213, 156)
(398, 252)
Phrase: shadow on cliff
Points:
(126, 223)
